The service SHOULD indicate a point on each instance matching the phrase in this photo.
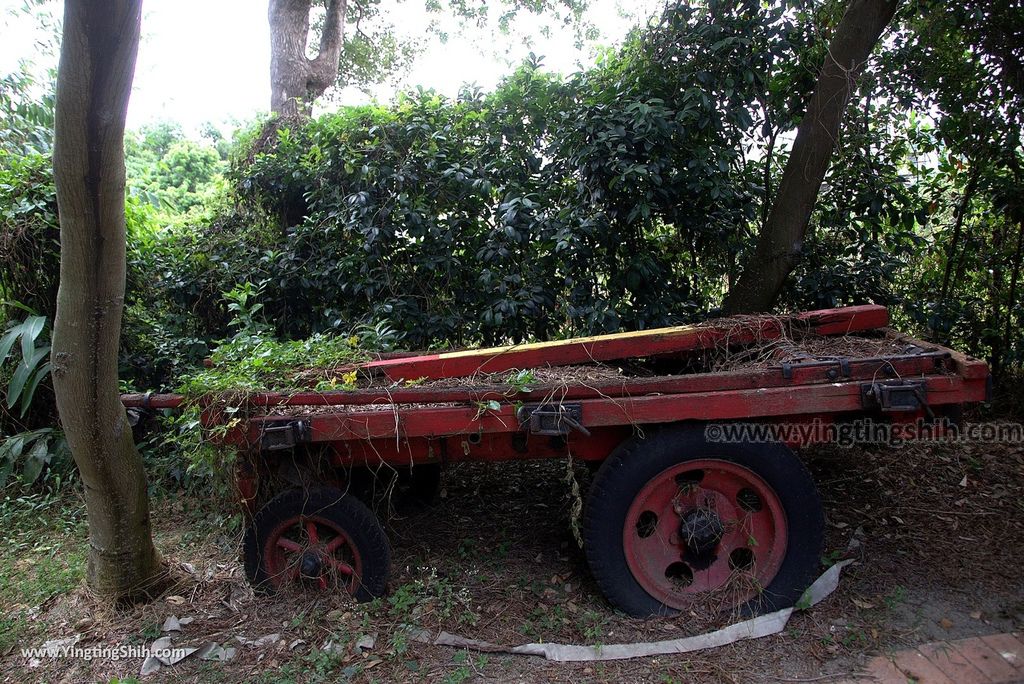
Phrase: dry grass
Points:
(727, 354)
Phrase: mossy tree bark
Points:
(94, 80)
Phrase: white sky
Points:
(208, 60)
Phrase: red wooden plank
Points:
(564, 352)
(716, 405)
(156, 401)
(846, 320)
(801, 374)
(490, 447)
(860, 369)
(627, 345)
(569, 352)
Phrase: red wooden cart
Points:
(698, 493)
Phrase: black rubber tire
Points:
(346, 511)
(636, 461)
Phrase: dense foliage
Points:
(617, 199)
(622, 197)
(611, 199)
(177, 175)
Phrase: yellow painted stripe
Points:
(492, 351)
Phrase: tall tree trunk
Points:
(779, 245)
(94, 79)
(295, 79)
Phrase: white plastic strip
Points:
(755, 628)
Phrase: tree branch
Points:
(780, 244)
(324, 67)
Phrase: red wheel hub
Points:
(314, 551)
(705, 526)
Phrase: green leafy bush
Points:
(34, 364)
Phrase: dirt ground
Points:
(936, 531)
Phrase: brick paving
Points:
(978, 660)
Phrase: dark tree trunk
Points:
(779, 245)
(94, 79)
(1011, 301)
(958, 225)
(295, 79)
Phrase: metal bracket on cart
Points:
(552, 419)
(837, 367)
(894, 396)
(284, 436)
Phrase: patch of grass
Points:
(831, 558)
(431, 594)
(256, 363)
(522, 381)
(42, 554)
(544, 620)
(317, 666)
(463, 671)
(467, 548)
(592, 625)
(249, 363)
(151, 631)
(855, 639)
(208, 673)
(895, 597)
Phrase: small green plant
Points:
(543, 621)
(400, 642)
(483, 407)
(243, 302)
(831, 558)
(347, 382)
(151, 631)
(521, 381)
(35, 448)
(593, 626)
(319, 665)
(403, 599)
(439, 594)
(895, 597)
(855, 638)
(467, 548)
(461, 673)
(34, 364)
